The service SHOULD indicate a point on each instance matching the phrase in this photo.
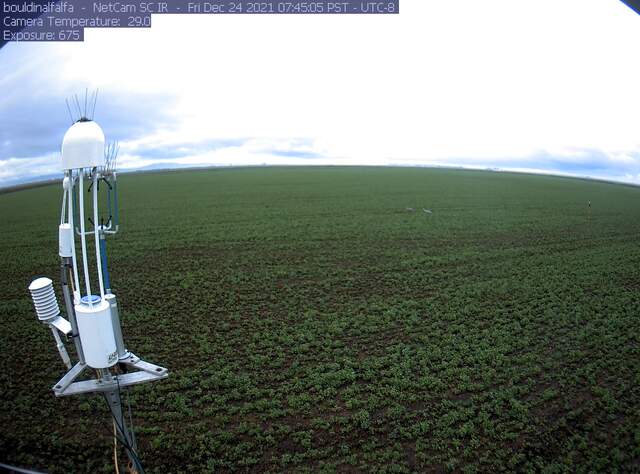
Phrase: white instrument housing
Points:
(83, 146)
(44, 299)
(96, 333)
(65, 240)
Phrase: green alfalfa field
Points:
(318, 319)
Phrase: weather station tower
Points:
(104, 364)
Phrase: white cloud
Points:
(443, 82)
(15, 170)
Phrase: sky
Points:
(549, 86)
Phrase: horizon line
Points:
(534, 172)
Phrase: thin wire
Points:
(133, 434)
(108, 156)
(78, 105)
(122, 414)
(115, 448)
(95, 99)
(127, 446)
(111, 155)
(123, 438)
(69, 110)
(114, 157)
(86, 92)
(120, 399)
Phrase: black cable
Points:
(120, 401)
(123, 439)
(133, 434)
(134, 455)
(122, 420)
(123, 369)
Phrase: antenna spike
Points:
(69, 110)
(109, 153)
(115, 155)
(95, 99)
(86, 93)
(75, 96)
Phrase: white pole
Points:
(95, 233)
(73, 238)
(83, 240)
(64, 204)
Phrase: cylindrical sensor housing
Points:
(93, 316)
(44, 299)
(117, 328)
(65, 240)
